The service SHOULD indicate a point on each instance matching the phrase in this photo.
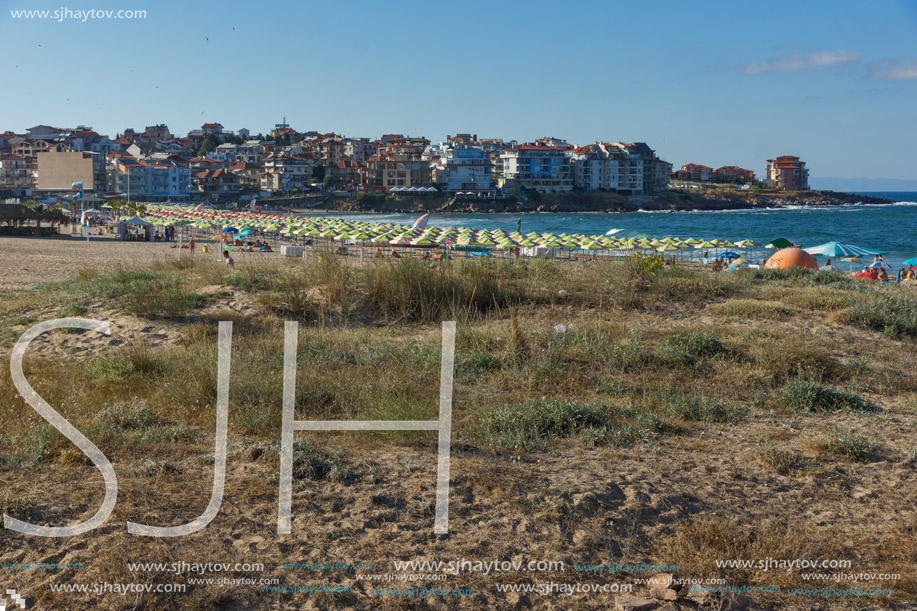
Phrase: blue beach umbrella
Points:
(911, 261)
(727, 255)
(838, 249)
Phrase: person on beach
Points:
(827, 267)
(227, 259)
(191, 245)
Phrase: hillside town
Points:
(218, 165)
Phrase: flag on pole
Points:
(78, 194)
(77, 186)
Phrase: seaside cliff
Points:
(705, 200)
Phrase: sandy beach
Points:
(32, 261)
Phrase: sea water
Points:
(889, 227)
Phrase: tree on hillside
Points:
(209, 145)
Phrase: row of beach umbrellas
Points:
(243, 224)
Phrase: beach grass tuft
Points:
(810, 396)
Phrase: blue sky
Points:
(713, 83)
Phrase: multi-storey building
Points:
(157, 133)
(225, 152)
(466, 168)
(695, 172)
(330, 151)
(218, 184)
(31, 148)
(284, 172)
(211, 128)
(15, 176)
(344, 173)
(662, 174)
(398, 163)
(733, 174)
(249, 174)
(787, 173)
(596, 166)
(149, 181)
(252, 151)
(701, 173)
(545, 169)
(358, 149)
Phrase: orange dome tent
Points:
(791, 257)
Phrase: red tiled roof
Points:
(221, 173)
(245, 166)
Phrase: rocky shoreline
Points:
(674, 201)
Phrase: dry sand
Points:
(29, 262)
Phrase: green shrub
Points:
(414, 290)
(532, 425)
(528, 425)
(477, 362)
(838, 442)
(136, 422)
(29, 450)
(792, 275)
(809, 396)
(311, 462)
(16, 504)
(150, 294)
(643, 267)
(697, 408)
(892, 313)
(700, 345)
(749, 308)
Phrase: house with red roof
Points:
(218, 184)
(211, 128)
(344, 173)
(284, 172)
(733, 174)
(787, 173)
(695, 172)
